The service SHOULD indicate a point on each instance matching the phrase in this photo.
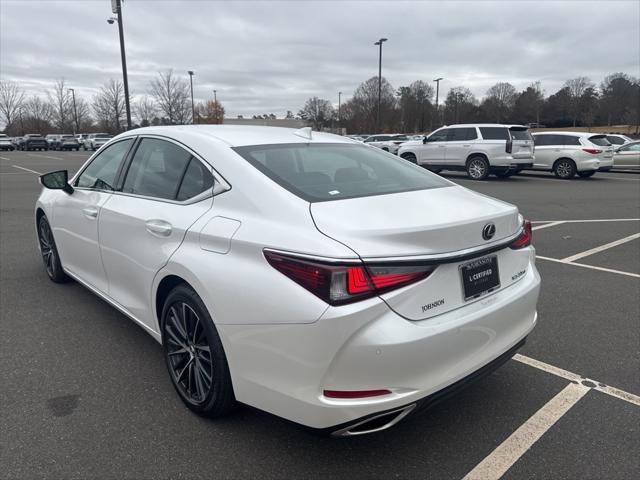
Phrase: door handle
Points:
(158, 227)
(466, 145)
(441, 146)
(90, 212)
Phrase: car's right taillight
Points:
(592, 151)
(525, 238)
(342, 283)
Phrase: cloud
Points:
(269, 57)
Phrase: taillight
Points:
(339, 284)
(524, 240)
(592, 151)
(509, 147)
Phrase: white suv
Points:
(388, 143)
(478, 149)
(568, 153)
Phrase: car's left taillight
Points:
(340, 283)
(525, 238)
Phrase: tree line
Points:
(62, 110)
(411, 109)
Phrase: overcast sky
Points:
(269, 57)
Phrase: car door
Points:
(628, 156)
(458, 145)
(547, 151)
(75, 216)
(164, 191)
(433, 150)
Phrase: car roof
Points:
(239, 135)
(469, 125)
(576, 134)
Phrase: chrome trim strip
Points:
(402, 412)
(308, 256)
(450, 257)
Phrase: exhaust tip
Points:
(374, 424)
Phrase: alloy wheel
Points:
(564, 169)
(477, 169)
(47, 247)
(188, 352)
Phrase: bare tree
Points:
(318, 111)
(576, 87)
(500, 100)
(36, 115)
(83, 109)
(211, 112)
(145, 110)
(60, 100)
(108, 106)
(172, 97)
(11, 100)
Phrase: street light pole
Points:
(116, 8)
(75, 111)
(437, 80)
(339, 117)
(379, 42)
(193, 108)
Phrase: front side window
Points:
(322, 172)
(440, 135)
(101, 172)
(156, 169)
(633, 147)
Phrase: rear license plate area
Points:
(479, 277)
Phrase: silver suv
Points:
(479, 149)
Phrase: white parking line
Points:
(601, 248)
(546, 225)
(44, 156)
(5, 158)
(508, 452)
(574, 377)
(589, 221)
(592, 267)
(26, 169)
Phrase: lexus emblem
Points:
(488, 231)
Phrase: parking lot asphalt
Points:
(85, 393)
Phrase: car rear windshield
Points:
(600, 140)
(324, 172)
(520, 133)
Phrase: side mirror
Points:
(425, 140)
(57, 181)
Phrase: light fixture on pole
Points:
(437, 80)
(193, 108)
(379, 42)
(75, 111)
(116, 8)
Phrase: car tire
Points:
(564, 168)
(49, 252)
(193, 351)
(587, 174)
(84, 147)
(433, 170)
(409, 157)
(504, 173)
(477, 168)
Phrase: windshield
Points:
(322, 172)
(599, 140)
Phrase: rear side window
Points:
(600, 140)
(197, 179)
(156, 169)
(615, 140)
(101, 172)
(520, 134)
(570, 140)
(494, 133)
(322, 172)
(462, 134)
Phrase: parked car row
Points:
(62, 142)
(505, 150)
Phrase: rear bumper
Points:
(283, 369)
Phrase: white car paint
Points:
(627, 156)
(284, 345)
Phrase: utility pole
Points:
(193, 108)
(75, 111)
(437, 80)
(116, 8)
(339, 117)
(215, 103)
(379, 42)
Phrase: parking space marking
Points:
(4, 158)
(601, 248)
(574, 377)
(44, 156)
(558, 222)
(546, 225)
(592, 267)
(26, 169)
(496, 464)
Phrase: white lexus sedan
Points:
(302, 273)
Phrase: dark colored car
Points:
(33, 141)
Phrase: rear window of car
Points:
(615, 140)
(494, 133)
(324, 172)
(520, 133)
(600, 140)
